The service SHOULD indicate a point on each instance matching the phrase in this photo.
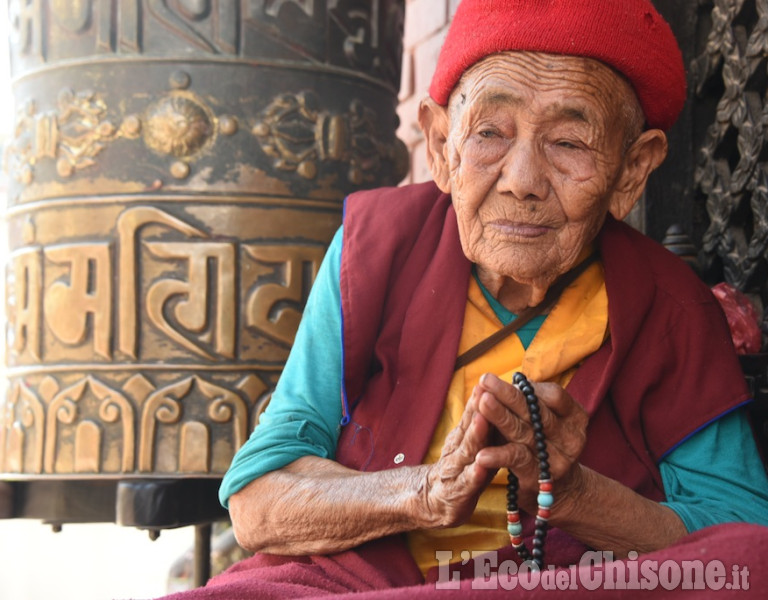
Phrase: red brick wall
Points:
(426, 23)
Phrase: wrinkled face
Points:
(535, 151)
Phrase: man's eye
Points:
(567, 145)
(487, 133)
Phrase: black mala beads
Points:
(545, 498)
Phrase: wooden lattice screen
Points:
(729, 82)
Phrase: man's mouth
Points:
(519, 228)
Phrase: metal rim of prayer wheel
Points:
(176, 170)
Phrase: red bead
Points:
(513, 517)
(545, 486)
(516, 540)
(544, 513)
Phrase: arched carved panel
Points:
(177, 417)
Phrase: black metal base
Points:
(142, 503)
(151, 504)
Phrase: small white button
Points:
(399, 458)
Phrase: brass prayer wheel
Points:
(176, 170)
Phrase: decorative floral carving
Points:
(78, 130)
(82, 130)
(178, 125)
(73, 134)
(301, 137)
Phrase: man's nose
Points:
(523, 173)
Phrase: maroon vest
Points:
(667, 369)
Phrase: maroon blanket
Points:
(726, 560)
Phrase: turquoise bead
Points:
(514, 528)
(545, 499)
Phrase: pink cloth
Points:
(380, 565)
(730, 553)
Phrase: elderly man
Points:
(383, 457)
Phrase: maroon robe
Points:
(667, 370)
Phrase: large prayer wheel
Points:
(176, 172)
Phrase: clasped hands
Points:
(495, 432)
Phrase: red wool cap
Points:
(629, 35)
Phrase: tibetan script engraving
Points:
(193, 305)
(25, 309)
(87, 296)
(129, 226)
(275, 307)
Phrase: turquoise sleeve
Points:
(716, 475)
(303, 415)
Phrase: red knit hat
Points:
(629, 35)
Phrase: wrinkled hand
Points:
(454, 483)
(565, 421)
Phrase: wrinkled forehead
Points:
(583, 87)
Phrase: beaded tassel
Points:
(545, 498)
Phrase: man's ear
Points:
(646, 153)
(435, 123)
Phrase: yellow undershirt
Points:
(574, 329)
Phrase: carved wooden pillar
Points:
(177, 171)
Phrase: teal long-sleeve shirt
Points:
(713, 476)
